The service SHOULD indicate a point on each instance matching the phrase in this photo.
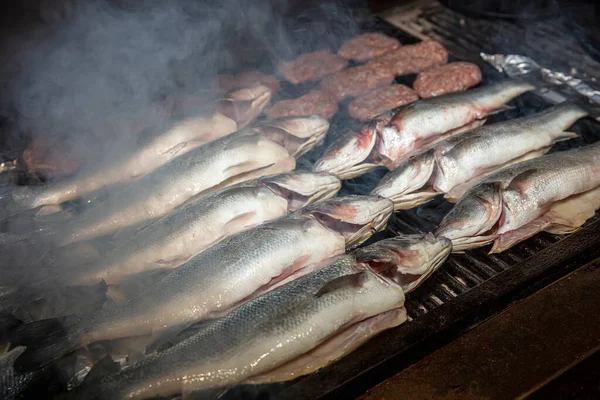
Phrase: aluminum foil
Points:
(514, 65)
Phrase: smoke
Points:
(88, 78)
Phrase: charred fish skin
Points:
(261, 334)
(498, 144)
(233, 159)
(170, 241)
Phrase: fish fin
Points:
(104, 367)
(501, 109)
(88, 389)
(355, 280)
(240, 168)
(566, 135)
(244, 220)
(46, 341)
(176, 149)
(517, 182)
(48, 210)
(161, 336)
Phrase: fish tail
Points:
(46, 341)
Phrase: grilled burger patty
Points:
(449, 78)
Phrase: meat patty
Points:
(413, 58)
(372, 104)
(227, 83)
(367, 46)
(355, 81)
(450, 78)
(312, 66)
(315, 102)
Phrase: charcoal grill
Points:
(471, 287)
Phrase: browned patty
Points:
(372, 104)
(312, 66)
(355, 81)
(450, 78)
(315, 102)
(413, 58)
(227, 83)
(367, 46)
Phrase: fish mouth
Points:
(303, 188)
(347, 156)
(406, 260)
(299, 135)
(356, 218)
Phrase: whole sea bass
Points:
(172, 240)
(391, 139)
(155, 150)
(217, 279)
(454, 165)
(290, 331)
(507, 201)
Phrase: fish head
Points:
(303, 188)
(406, 259)
(471, 222)
(356, 218)
(407, 178)
(245, 105)
(298, 135)
(348, 156)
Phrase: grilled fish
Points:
(457, 163)
(220, 277)
(273, 337)
(224, 162)
(170, 241)
(519, 194)
(155, 151)
(390, 141)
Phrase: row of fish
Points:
(260, 263)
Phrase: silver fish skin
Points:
(406, 260)
(415, 128)
(176, 139)
(405, 185)
(517, 195)
(453, 165)
(496, 145)
(170, 241)
(262, 334)
(232, 159)
(566, 216)
(221, 277)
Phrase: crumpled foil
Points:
(514, 65)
